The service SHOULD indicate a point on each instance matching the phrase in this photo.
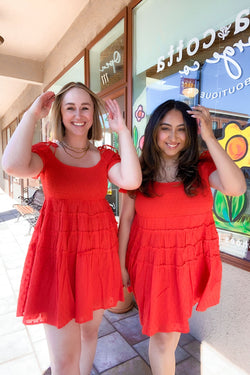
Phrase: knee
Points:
(89, 330)
(66, 364)
(89, 333)
(166, 341)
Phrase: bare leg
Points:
(89, 335)
(162, 348)
(64, 348)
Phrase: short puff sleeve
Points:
(110, 155)
(206, 165)
(43, 149)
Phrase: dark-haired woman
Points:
(169, 251)
(72, 271)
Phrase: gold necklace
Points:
(75, 149)
(84, 150)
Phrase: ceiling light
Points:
(1, 40)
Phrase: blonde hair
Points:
(56, 124)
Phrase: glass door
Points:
(111, 138)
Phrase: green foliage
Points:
(229, 209)
(135, 136)
(229, 213)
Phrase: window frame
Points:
(226, 258)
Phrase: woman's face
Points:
(77, 110)
(172, 134)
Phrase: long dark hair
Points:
(187, 171)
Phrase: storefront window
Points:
(74, 74)
(111, 138)
(107, 69)
(107, 59)
(200, 60)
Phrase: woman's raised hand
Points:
(41, 106)
(204, 120)
(116, 121)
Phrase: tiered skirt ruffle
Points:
(72, 265)
(173, 264)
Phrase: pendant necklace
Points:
(77, 150)
(168, 174)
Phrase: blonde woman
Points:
(72, 270)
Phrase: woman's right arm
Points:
(18, 159)
(126, 219)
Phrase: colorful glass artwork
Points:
(139, 113)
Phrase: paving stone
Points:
(10, 324)
(180, 354)
(142, 349)
(7, 303)
(26, 365)
(42, 354)
(189, 367)
(112, 350)
(36, 332)
(113, 317)
(135, 366)
(194, 349)
(185, 339)
(105, 328)
(14, 345)
(130, 328)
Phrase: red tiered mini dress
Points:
(72, 265)
(173, 254)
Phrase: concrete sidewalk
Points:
(121, 348)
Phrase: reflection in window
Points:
(214, 125)
(199, 78)
(74, 74)
(107, 59)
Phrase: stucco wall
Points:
(21, 104)
(224, 330)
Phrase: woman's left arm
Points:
(228, 177)
(127, 173)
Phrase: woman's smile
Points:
(171, 137)
(77, 111)
(78, 123)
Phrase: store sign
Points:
(232, 67)
(111, 63)
(228, 91)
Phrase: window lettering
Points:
(211, 42)
(232, 67)
(112, 63)
(196, 43)
(225, 92)
(241, 23)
